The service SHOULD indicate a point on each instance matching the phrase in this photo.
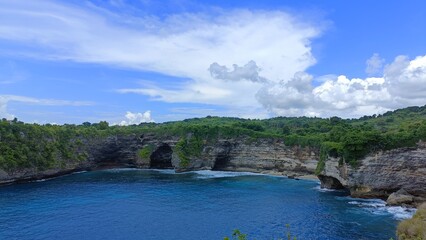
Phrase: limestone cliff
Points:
(150, 151)
(377, 175)
(380, 174)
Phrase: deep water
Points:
(148, 204)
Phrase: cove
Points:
(154, 204)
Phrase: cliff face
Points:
(377, 175)
(265, 155)
(380, 174)
(262, 155)
(243, 154)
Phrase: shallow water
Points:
(149, 204)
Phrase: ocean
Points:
(161, 204)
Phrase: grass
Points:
(414, 228)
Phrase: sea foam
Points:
(379, 207)
(203, 174)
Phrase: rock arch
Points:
(330, 182)
(223, 158)
(162, 157)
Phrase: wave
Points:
(55, 177)
(78, 172)
(320, 189)
(163, 171)
(379, 207)
(205, 174)
(118, 169)
(41, 180)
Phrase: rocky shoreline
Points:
(398, 174)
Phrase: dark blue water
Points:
(142, 204)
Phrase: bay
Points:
(160, 204)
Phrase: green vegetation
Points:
(145, 152)
(238, 235)
(186, 148)
(45, 146)
(414, 228)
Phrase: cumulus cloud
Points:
(199, 48)
(287, 97)
(374, 64)
(136, 118)
(403, 84)
(182, 45)
(406, 79)
(249, 72)
(5, 99)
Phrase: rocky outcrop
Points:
(377, 175)
(261, 155)
(330, 182)
(401, 197)
(380, 174)
(150, 151)
(265, 155)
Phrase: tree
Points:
(103, 125)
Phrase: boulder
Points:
(400, 197)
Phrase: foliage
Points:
(49, 146)
(146, 152)
(238, 235)
(186, 148)
(328, 149)
(414, 228)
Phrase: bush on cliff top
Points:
(186, 148)
(46, 146)
(414, 228)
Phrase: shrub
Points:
(414, 228)
(146, 152)
(187, 148)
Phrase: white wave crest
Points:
(204, 174)
(320, 189)
(164, 171)
(377, 206)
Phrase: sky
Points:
(133, 61)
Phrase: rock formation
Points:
(377, 175)
(400, 197)
(243, 154)
(380, 174)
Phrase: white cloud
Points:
(403, 84)
(249, 72)
(5, 99)
(406, 79)
(136, 118)
(286, 98)
(182, 45)
(374, 65)
(259, 59)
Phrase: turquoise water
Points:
(148, 204)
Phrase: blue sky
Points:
(135, 61)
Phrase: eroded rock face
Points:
(330, 182)
(114, 151)
(382, 173)
(400, 197)
(262, 155)
(378, 175)
(242, 154)
(162, 157)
